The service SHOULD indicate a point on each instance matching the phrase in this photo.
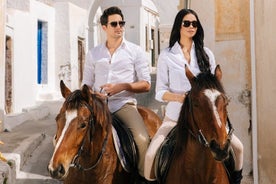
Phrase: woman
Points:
(186, 47)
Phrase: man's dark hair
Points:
(110, 11)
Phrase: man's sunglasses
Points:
(187, 23)
(115, 24)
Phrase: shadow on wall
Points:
(148, 99)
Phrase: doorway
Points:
(8, 76)
(81, 58)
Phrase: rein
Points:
(199, 135)
(75, 162)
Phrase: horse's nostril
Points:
(218, 152)
(214, 145)
(57, 173)
(61, 170)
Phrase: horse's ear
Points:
(64, 90)
(86, 92)
(218, 72)
(189, 74)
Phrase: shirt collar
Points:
(176, 48)
(123, 44)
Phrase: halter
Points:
(200, 136)
(75, 162)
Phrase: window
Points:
(42, 53)
(187, 3)
(152, 45)
(146, 38)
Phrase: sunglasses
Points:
(187, 23)
(115, 24)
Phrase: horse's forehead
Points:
(212, 94)
(69, 116)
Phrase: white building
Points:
(47, 40)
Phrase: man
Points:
(120, 69)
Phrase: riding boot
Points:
(142, 180)
(236, 177)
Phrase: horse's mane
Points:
(74, 100)
(207, 80)
(202, 81)
(99, 108)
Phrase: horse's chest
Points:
(196, 175)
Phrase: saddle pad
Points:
(124, 145)
(119, 150)
(164, 155)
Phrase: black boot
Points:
(236, 177)
(142, 180)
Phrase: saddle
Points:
(125, 145)
(164, 155)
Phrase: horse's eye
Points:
(82, 125)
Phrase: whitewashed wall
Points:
(71, 23)
(22, 25)
(2, 57)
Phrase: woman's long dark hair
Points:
(202, 57)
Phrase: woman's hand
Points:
(169, 96)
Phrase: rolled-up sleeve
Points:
(142, 66)
(88, 73)
(162, 77)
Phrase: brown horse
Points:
(202, 140)
(84, 149)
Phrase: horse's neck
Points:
(96, 174)
(195, 164)
(196, 152)
(99, 144)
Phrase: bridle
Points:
(76, 162)
(199, 135)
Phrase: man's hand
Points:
(112, 89)
(135, 87)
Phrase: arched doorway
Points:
(8, 76)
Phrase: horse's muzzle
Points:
(218, 153)
(57, 173)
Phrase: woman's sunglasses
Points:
(187, 23)
(115, 24)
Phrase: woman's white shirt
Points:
(171, 75)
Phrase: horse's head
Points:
(83, 116)
(206, 113)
